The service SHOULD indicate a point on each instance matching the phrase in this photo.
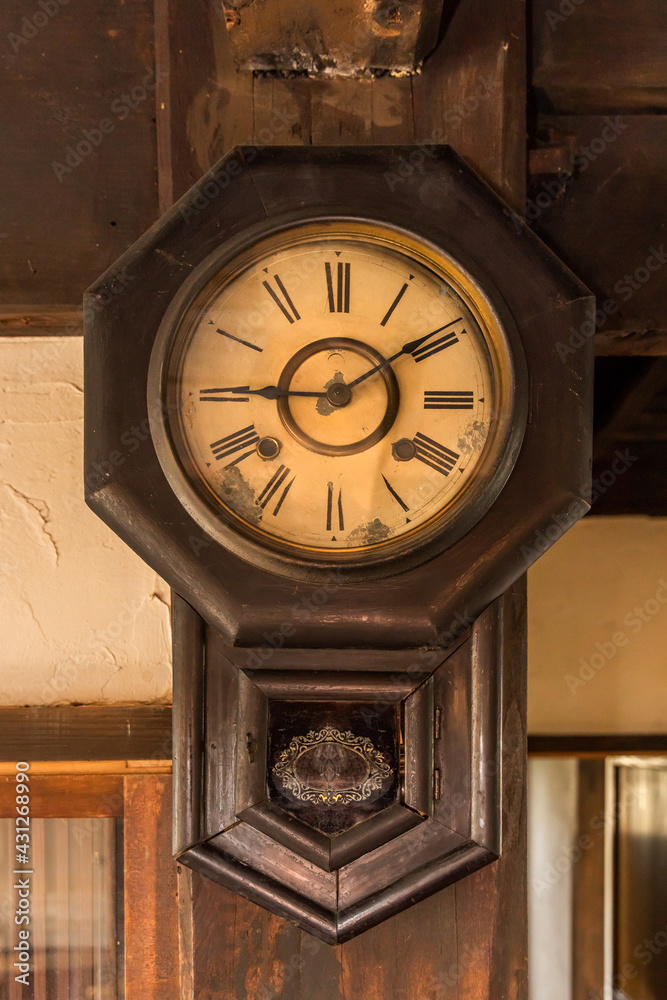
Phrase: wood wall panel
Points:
(151, 916)
(592, 61)
(86, 732)
(65, 69)
(588, 884)
(65, 796)
(600, 56)
(608, 218)
(207, 106)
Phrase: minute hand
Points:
(408, 348)
(268, 392)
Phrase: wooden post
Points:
(467, 941)
(588, 887)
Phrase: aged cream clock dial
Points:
(337, 391)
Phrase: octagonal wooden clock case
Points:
(331, 413)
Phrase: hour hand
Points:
(239, 391)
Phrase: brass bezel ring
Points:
(447, 525)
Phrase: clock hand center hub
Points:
(339, 394)
(341, 421)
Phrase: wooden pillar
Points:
(471, 93)
(468, 941)
(588, 888)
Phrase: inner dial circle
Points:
(337, 422)
(337, 388)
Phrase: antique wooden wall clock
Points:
(355, 426)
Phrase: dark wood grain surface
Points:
(151, 914)
(85, 732)
(63, 795)
(471, 93)
(601, 56)
(188, 631)
(588, 883)
(604, 217)
(83, 80)
(593, 64)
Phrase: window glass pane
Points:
(552, 829)
(75, 910)
(641, 884)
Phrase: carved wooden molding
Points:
(439, 820)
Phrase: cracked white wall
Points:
(82, 618)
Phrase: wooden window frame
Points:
(594, 888)
(110, 762)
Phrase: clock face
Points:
(338, 391)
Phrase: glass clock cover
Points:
(336, 391)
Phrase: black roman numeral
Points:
(247, 437)
(435, 455)
(428, 350)
(282, 496)
(272, 487)
(341, 303)
(393, 306)
(282, 300)
(395, 495)
(435, 399)
(246, 343)
(215, 395)
(330, 508)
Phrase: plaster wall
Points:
(82, 619)
(597, 629)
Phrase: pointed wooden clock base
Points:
(470, 933)
(337, 798)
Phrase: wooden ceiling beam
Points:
(627, 343)
(64, 320)
(347, 38)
